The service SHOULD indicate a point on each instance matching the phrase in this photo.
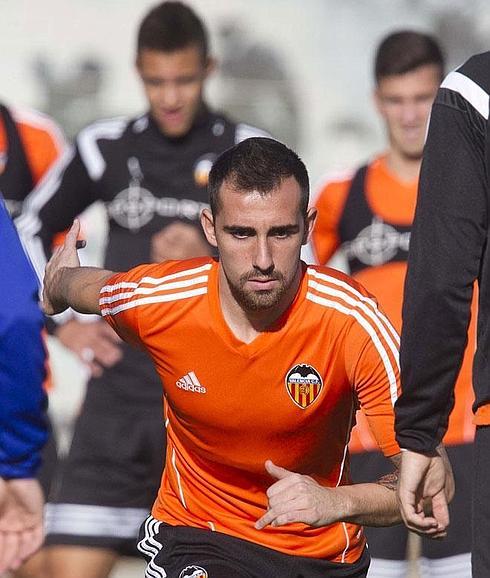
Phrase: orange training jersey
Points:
(392, 207)
(289, 395)
(43, 142)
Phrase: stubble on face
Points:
(261, 300)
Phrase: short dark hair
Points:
(405, 51)
(257, 164)
(172, 26)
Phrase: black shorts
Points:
(109, 480)
(391, 543)
(183, 552)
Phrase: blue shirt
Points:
(23, 428)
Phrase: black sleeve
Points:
(65, 191)
(447, 243)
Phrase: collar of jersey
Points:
(264, 340)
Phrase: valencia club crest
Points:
(303, 384)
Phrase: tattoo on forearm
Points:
(389, 481)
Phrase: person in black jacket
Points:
(151, 174)
(448, 253)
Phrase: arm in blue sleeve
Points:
(23, 428)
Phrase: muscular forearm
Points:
(372, 504)
(79, 288)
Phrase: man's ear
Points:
(378, 102)
(309, 223)
(207, 224)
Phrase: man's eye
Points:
(283, 234)
(240, 235)
(152, 82)
(186, 81)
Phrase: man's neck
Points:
(247, 325)
(406, 169)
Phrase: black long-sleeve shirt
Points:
(448, 252)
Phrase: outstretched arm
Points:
(66, 284)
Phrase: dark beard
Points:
(259, 300)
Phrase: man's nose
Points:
(409, 113)
(263, 260)
(170, 96)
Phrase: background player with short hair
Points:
(257, 479)
(151, 174)
(367, 217)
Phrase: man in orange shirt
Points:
(367, 217)
(264, 361)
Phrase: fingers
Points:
(95, 369)
(440, 510)
(9, 550)
(108, 332)
(292, 498)
(178, 241)
(285, 513)
(21, 526)
(293, 505)
(276, 471)
(96, 344)
(72, 235)
(422, 483)
(106, 352)
(416, 519)
(16, 547)
(288, 483)
(30, 541)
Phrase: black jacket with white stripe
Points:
(448, 253)
(145, 181)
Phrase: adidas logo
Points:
(189, 382)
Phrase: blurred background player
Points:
(23, 423)
(151, 173)
(367, 218)
(30, 142)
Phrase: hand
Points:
(95, 343)
(21, 521)
(297, 498)
(63, 256)
(425, 487)
(178, 241)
